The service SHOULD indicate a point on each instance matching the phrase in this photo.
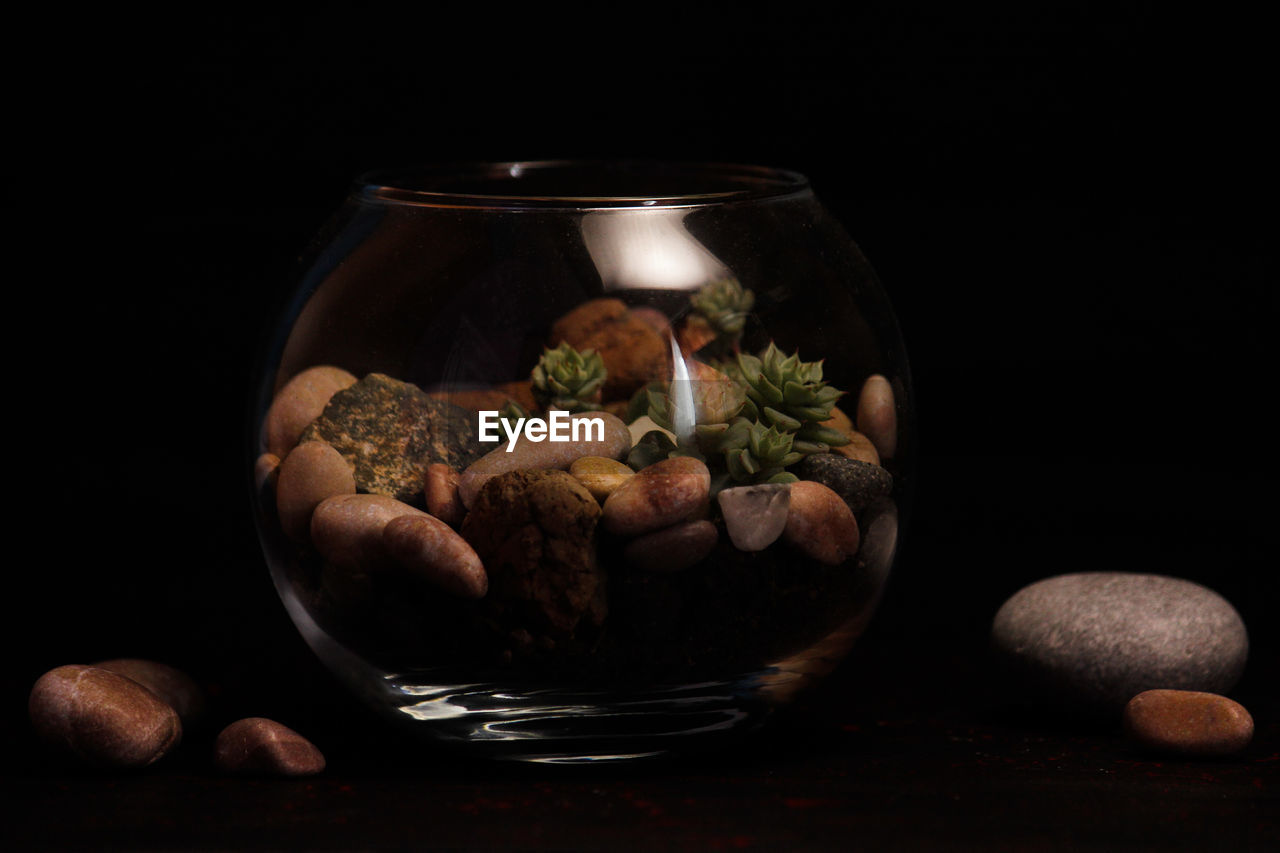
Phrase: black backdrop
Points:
(1071, 211)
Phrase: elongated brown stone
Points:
(1188, 722)
(170, 685)
(263, 747)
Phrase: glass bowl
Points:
(578, 461)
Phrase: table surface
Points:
(901, 751)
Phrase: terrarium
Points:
(572, 461)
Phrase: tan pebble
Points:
(600, 475)
(440, 488)
(300, 402)
(674, 548)
(644, 425)
(347, 529)
(310, 473)
(266, 468)
(838, 421)
(878, 416)
(658, 496)
(172, 686)
(429, 550)
(859, 448)
(546, 454)
(820, 523)
(102, 717)
(1188, 722)
(258, 746)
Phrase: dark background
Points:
(1071, 209)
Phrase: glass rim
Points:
(709, 183)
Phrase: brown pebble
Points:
(878, 416)
(300, 402)
(440, 488)
(658, 496)
(172, 686)
(430, 550)
(859, 449)
(347, 529)
(821, 524)
(310, 473)
(102, 717)
(600, 475)
(673, 549)
(1187, 722)
(261, 747)
(266, 468)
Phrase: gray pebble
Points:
(1091, 641)
(859, 483)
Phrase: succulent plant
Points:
(752, 452)
(567, 379)
(720, 310)
(790, 394)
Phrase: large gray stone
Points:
(1092, 641)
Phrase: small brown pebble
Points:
(600, 475)
(102, 717)
(673, 549)
(658, 496)
(310, 473)
(347, 529)
(859, 449)
(878, 416)
(171, 686)
(1187, 722)
(820, 523)
(265, 471)
(440, 488)
(257, 746)
(300, 402)
(431, 551)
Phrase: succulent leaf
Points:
(722, 306)
(567, 379)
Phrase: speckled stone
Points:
(1187, 722)
(390, 431)
(257, 746)
(859, 483)
(1091, 641)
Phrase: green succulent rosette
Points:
(789, 395)
(567, 379)
(752, 452)
(725, 305)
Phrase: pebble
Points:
(673, 549)
(172, 686)
(633, 352)
(755, 516)
(877, 415)
(1090, 641)
(658, 496)
(859, 448)
(600, 475)
(544, 455)
(440, 489)
(102, 717)
(261, 747)
(310, 473)
(1187, 722)
(879, 528)
(430, 550)
(300, 402)
(859, 483)
(347, 529)
(266, 468)
(821, 524)
(644, 425)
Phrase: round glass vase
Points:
(713, 541)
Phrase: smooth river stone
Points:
(301, 401)
(440, 487)
(878, 416)
(102, 717)
(658, 496)
(820, 524)
(170, 685)
(257, 746)
(429, 550)
(1187, 722)
(529, 455)
(674, 548)
(1093, 640)
(755, 516)
(600, 475)
(347, 529)
(310, 473)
